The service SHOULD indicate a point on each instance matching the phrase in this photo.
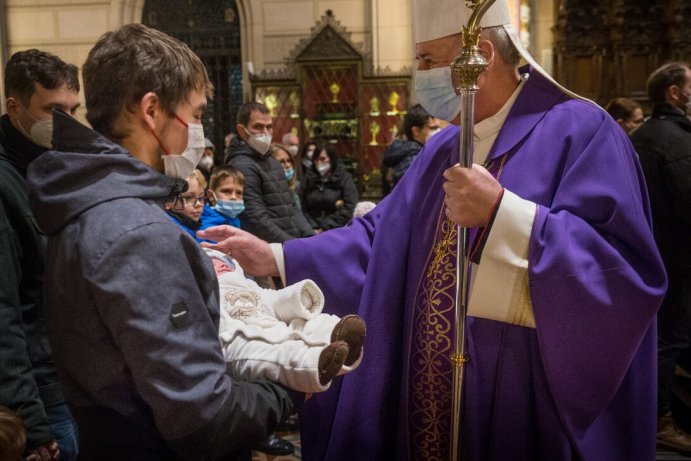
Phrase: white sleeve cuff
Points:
(277, 249)
(500, 288)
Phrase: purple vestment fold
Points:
(581, 385)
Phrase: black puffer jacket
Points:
(328, 201)
(270, 210)
(28, 380)
(663, 144)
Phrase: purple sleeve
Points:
(336, 260)
(596, 278)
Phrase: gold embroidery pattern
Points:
(431, 373)
(431, 380)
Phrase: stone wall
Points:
(270, 28)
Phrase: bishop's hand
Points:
(471, 195)
(252, 253)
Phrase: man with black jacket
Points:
(418, 127)
(35, 83)
(132, 300)
(270, 210)
(663, 143)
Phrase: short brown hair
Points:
(246, 110)
(26, 68)
(224, 172)
(12, 435)
(672, 73)
(621, 108)
(134, 60)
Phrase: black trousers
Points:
(105, 435)
(673, 336)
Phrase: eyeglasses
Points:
(191, 200)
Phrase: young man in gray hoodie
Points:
(132, 300)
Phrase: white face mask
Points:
(437, 94)
(206, 163)
(259, 142)
(41, 132)
(323, 168)
(180, 166)
(293, 150)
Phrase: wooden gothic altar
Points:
(330, 92)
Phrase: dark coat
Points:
(328, 201)
(133, 311)
(663, 144)
(398, 157)
(270, 210)
(28, 380)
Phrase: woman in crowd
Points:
(627, 112)
(287, 161)
(328, 195)
(305, 157)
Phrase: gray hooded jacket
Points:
(132, 306)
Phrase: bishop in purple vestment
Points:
(565, 366)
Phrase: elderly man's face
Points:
(438, 53)
(441, 52)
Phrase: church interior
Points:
(342, 71)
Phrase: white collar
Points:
(490, 126)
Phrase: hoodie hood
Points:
(85, 169)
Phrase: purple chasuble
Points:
(581, 385)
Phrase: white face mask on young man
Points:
(437, 94)
(180, 166)
(41, 132)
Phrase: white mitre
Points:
(433, 19)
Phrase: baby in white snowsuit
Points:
(281, 335)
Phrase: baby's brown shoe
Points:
(350, 329)
(331, 360)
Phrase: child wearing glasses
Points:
(186, 208)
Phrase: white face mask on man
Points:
(436, 93)
(180, 166)
(41, 132)
(259, 142)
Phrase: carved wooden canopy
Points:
(328, 41)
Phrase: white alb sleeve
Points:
(500, 289)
